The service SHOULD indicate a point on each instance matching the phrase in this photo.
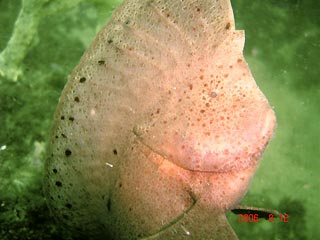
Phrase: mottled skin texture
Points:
(160, 127)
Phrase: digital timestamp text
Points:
(254, 217)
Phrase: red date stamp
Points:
(254, 217)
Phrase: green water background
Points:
(282, 49)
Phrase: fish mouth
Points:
(256, 137)
(269, 124)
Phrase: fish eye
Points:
(213, 94)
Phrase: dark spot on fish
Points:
(82, 80)
(228, 26)
(62, 118)
(76, 99)
(63, 135)
(68, 152)
(71, 119)
(127, 22)
(109, 204)
(110, 41)
(54, 170)
(58, 183)
(101, 62)
(115, 152)
(68, 205)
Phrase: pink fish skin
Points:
(160, 128)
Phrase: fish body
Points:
(160, 127)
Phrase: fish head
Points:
(216, 119)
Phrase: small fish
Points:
(160, 127)
(261, 212)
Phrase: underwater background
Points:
(41, 41)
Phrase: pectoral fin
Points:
(197, 223)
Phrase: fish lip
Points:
(269, 124)
(254, 150)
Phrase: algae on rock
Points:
(25, 33)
